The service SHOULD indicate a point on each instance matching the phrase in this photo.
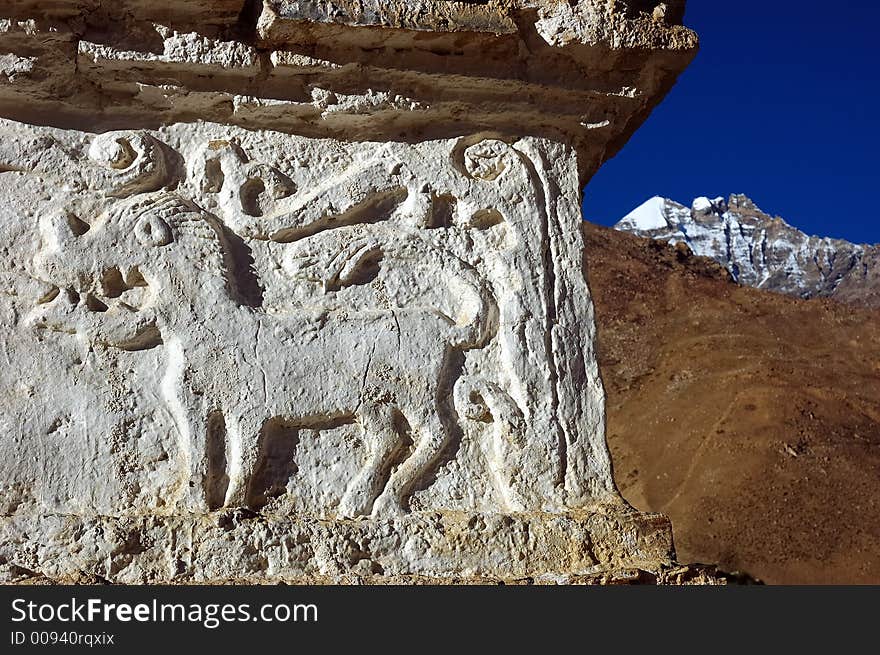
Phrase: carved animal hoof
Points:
(236, 497)
(387, 507)
(352, 507)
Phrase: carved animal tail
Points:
(480, 400)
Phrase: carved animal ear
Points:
(151, 230)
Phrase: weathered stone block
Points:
(204, 12)
(300, 296)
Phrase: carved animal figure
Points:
(231, 368)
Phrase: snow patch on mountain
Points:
(703, 204)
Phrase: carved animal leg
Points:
(382, 442)
(433, 437)
(244, 451)
(203, 450)
(195, 433)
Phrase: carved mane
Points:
(198, 236)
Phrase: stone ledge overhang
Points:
(586, 74)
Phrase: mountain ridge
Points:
(761, 250)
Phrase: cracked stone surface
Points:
(294, 291)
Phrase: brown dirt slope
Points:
(750, 418)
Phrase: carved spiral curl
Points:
(136, 162)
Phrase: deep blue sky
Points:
(782, 103)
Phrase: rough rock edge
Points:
(242, 545)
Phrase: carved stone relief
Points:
(277, 303)
(294, 291)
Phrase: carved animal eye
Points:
(153, 231)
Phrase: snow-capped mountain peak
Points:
(761, 250)
(651, 215)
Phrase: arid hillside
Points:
(751, 418)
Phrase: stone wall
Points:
(293, 290)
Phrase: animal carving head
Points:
(106, 275)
